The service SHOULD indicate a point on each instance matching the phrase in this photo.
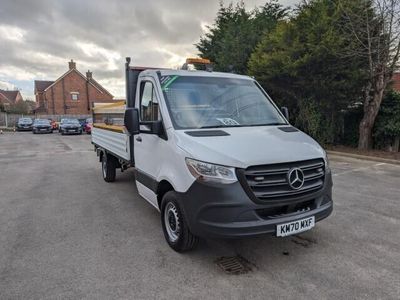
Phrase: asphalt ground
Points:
(67, 234)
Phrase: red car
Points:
(88, 126)
(53, 124)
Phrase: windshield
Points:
(25, 120)
(42, 121)
(210, 102)
(70, 121)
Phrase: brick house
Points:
(72, 93)
(8, 98)
(396, 81)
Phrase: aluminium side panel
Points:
(114, 142)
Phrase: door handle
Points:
(139, 139)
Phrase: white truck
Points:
(213, 153)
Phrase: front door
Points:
(147, 145)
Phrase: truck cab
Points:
(217, 158)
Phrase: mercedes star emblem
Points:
(295, 178)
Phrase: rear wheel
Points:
(109, 167)
(174, 224)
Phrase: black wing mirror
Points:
(285, 112)
(154, 127)
(131, 120)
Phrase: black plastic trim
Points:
(288, 129)
(147, 180)
(206, 133)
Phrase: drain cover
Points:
(233, 264)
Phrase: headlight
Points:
(207, 172)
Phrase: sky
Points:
(38, 38)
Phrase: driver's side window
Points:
(149, 110)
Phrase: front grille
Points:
(269, 182)
(285, 210)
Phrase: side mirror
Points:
(157, 128)
(285, 112)
(131, 120)
(154, 127)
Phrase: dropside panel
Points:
(115, 142)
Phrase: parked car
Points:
(54, 124)
(58, 123)
(83, 123)
(42, 126)
(24, 124)
(88, 125)
(70, 126)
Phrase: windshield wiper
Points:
(269, 124)
(218, 126)
(242, 125)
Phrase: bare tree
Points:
(374, 30)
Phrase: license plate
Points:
(295, 226)
(43, 129)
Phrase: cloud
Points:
(12, 33)
(4, 85)
(38, 38)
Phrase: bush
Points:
(387, 124)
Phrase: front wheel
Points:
(174, 224)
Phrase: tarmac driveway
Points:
(65, 233)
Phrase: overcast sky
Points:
(39, 37)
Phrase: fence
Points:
(10, 120)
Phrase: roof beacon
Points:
(198, 64)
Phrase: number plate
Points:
(295, 226)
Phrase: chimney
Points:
(72, 64)
(89, 75)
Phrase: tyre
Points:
(109, 167)
(174, 224)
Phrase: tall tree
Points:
(235, 33)
(375, 26)
(299, 65)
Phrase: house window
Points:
(74, 96)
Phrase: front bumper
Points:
(42, 130)
(24, 128)
(226, 211)
(70, 130)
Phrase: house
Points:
(72, 93)
(396, 81)
(9, 98)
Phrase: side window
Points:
(149, 110)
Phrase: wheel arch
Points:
(163, 187)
